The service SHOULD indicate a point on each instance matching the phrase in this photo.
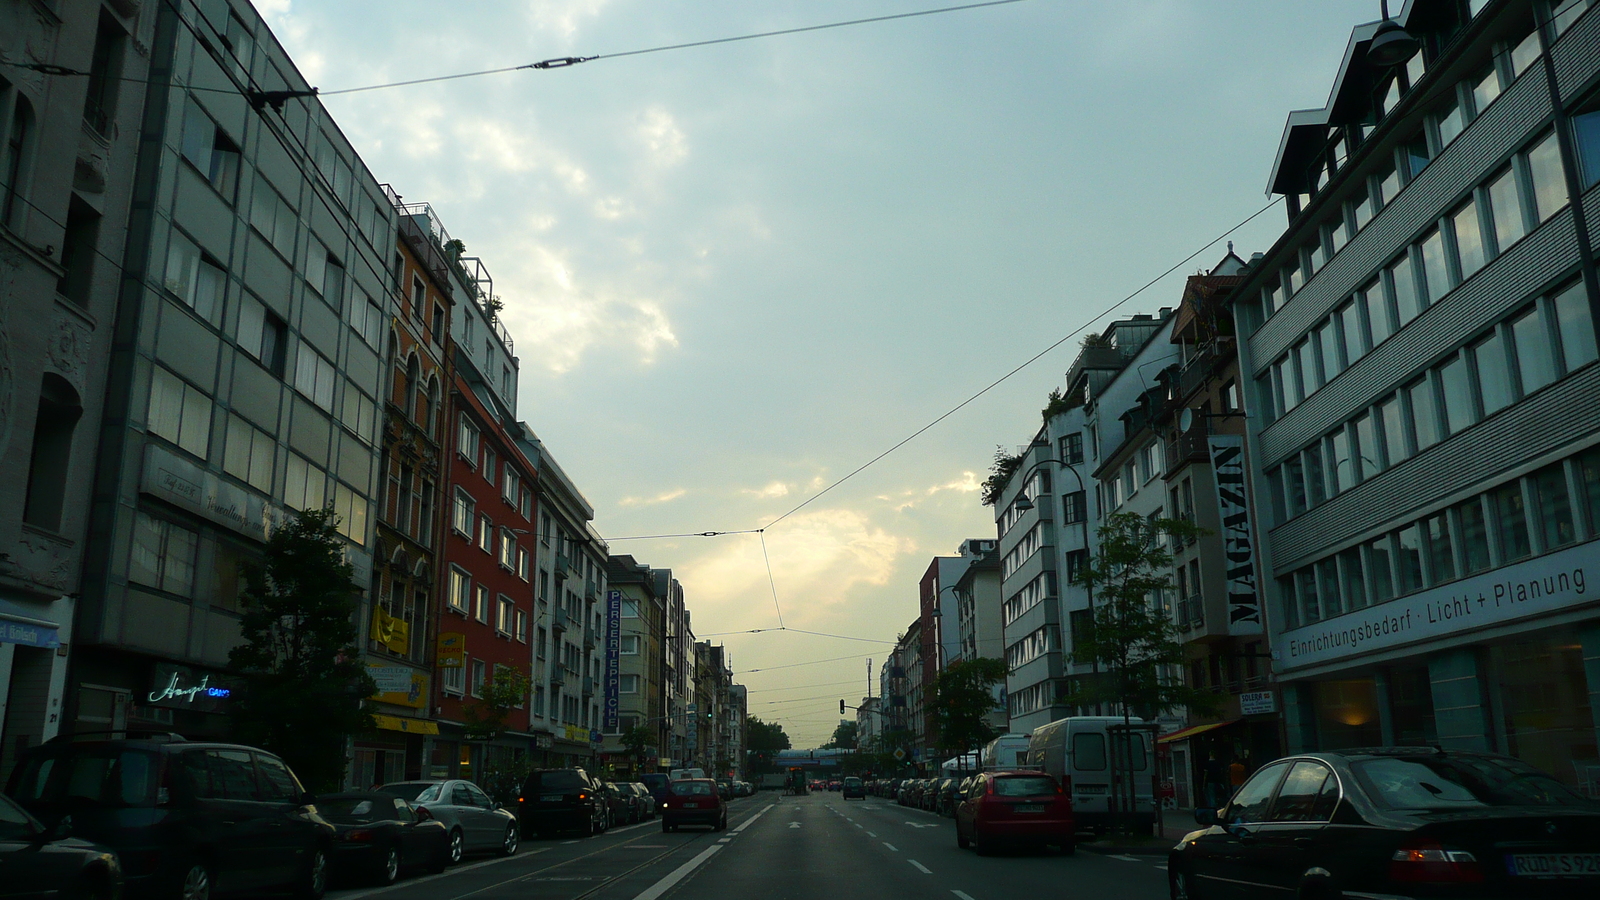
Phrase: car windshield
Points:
(557, 781)
(414, 791)
(1462, 783)
(692, 788)
(97, 775)
(1024, 786)
(15, 825)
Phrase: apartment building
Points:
(636, 696)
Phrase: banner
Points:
(1238, 548)
(613, 661)
(391, 631)
(452, 650)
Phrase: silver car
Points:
(476, 823)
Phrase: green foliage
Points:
(1004, 466)
(304, 682)
(503, 775)
(764, 737)
(1132, 639)
(963, 695)
(1060, 402)
(844, 737)
(485, 717)
(636, 739)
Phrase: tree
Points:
(635, 740)
(304, 685)
(1132, 640)
(484, 718)
(765, 736)
(963, 696)
(845, 737)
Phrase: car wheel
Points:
(314, 880)
(961, 839)
(1180, 884)
(387, 871)
(457, 846)
(508, 845)
(665, 827)
(984, 846)
(196, 883)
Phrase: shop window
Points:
(54, 421)
(163, 555)
(1511, 522)
(1441, 556)
(1556, 525)
(1347, 714)
(1411, 707)
(1544, 699)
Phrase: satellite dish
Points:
(1186, 419)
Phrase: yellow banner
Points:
(390, 631)
(452, 650)
(409, 726)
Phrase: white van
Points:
(680, 774)
(1008, 751)
(1077, 751)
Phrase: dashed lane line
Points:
(872, 834)
(1123, 858)
(963, 895)
(746, 823)
(922, 868)
(892, 848)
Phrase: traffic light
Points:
(841, 707)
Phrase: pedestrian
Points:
(1236, 772)
(1213, 781)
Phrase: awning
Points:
(407, 725)
(1186, 733)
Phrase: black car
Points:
(621, 808)
(561, 800)
(43, 865)
(1396, 822)
(185, 819)
(377, 835)
(854, 787)
(659, 786)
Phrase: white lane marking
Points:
(859, 825)
(723, 840)
(963, 895)
(746, 823)
(872, 834)
(1161, 865)
(453, 869)
(1123, 858)
(794, 824)
(632, 827)
(892, 848)
(678, 874)
(569, 842)
(925, 869)
(923, 824)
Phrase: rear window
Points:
(692, 788)
(98, 775)
(852, 782)
(1462, 783)
(356, 810)
(413, 791)
(559, 780)
(1024, 786)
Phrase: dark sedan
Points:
(1396, 822)
(378, 835)
(41, 865)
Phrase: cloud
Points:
(660, 134)
(775, 489)
(563, 17)
(652, 501)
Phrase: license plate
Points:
(552, 798)
(691, 806)
(1554, 865)
(1090, 789)
(1029, 807)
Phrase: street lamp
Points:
(1391, 45)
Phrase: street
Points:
(817, 847)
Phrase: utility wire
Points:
(654, 537)
(813, 662)
(842, 637)
(563, 62)
(801, 687)
(772, 583)
(1030, 361)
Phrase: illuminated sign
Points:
(176, 686)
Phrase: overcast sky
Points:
(735, 273)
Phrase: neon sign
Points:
(187, 694)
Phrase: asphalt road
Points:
(818, 847)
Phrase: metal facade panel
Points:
(1497, 289)
(1489, 141)
(1576, 55)
(1500, 443)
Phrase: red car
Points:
(694, 801)
(1014, 808)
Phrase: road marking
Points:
(569, 842)
(872, 834)
(925, 870)
(746, 823)
(794, 824)
(723, 840)
(963, 895)
(1123, 858)
(1161, 865)
(892, 848)
(356, 895)
(923, 824)
(859, 825)
(678, 874)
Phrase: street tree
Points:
(635, 740)
(763, 740)
(305, 688)
(962, 699)
(485, 717)
(1132, 640)
(845, 737)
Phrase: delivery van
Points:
(1078, 752)
(1008, 751)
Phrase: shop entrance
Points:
(1544, 707)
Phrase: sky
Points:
(736, 273)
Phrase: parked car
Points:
(1015, 808)
(1411, 821)
(184, 818)
(929, 800)
(725, 788)
(659, 785)
(643, 800)
(475, 822)
(694, 801)
(378, 835)
(949, 795)
(853, 787)
(561, 800)
(620, 805)
(41, 864)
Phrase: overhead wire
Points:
(813, 662)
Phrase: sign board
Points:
(28, 635)
(543, 740)
(1550, 583)
(613, 672)
(400, 686)
(452, 650)
(184, 484)
(179, 687)
(1238, 544)
(405, 725)
(1257, 703)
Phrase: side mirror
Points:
(1207, 817)
(308, 799)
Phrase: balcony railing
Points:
(1191, 613)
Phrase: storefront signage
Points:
(28, 635)
(179, 688)
(613, 659)
(203, 493)
(452, 650)
(400, 686)
(1244, 601)
(577, 734)
(405, 725)
(1536, 587)
(1255, 703)
(543, 740)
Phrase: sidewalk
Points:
(1175, 824)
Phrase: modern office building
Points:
(1418, 357)
(255, 289)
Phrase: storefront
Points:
(34, 636)
(1209, 760)
(1507, 662)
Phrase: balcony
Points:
(588, 686)
(589, 641)
(558, 621)
(1189, 446)
(563, 563)
(558, 676)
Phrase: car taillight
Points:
(1430, 861)
(582, 796)
(360, 834)
(1066, 784)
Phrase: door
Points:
(290, 833)
(228, 816)
(491, 826)
(1222, 860)
(1291, 842)
(26, 870)
(1089, 766)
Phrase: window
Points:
(105, 67)
(461, 517)
(1408, 300)
(504, 614)
(305, 485)
(1441, 558)
(1327, 341)
(1316, 490)
(1469, 239)
(333, 282)
(510, 485)
(485, 534)
(480, 604)
(262, 334)
(56, 418)
(163, 555)
(1355, 587)
(1391, 417)
(460, 589)
(630, 609)
(1388, 185)
(1511, 522)
(271, 216)
(522, 564)
(1452, 121)
(359, 413)
(1556, 525)
(1424, 413)
(15, 162)
(1536, 358)
(1306, 588)
(1074, 507)
(1544, 169)
(249, 454)
(1564, 12)
(489, 461)
(1485, 88)
(1493, 371)
(366, 317)
(210, 150)
(630, 645)
(467, 440)
(314, 377)
(352, 511)
(480, 671)
(507, 548)
(628, 684)
(1328, 587)
(1294, 485)
(1367, 453)
(1071, 449)
(1379, 318)
(78, 252)
(520, 627)
(1416, 156)
(1436, 277)
(194, 278)
(1576, 326)
(1306, 362)
(1474, 536)
(1408, 541)
(1505, 208)
(453, 679)
(1341, 467)
(1456, 386)
(1287, 379)
(179, 412)
(1378, 554)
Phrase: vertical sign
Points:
(613, 660)
(1244, 600)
